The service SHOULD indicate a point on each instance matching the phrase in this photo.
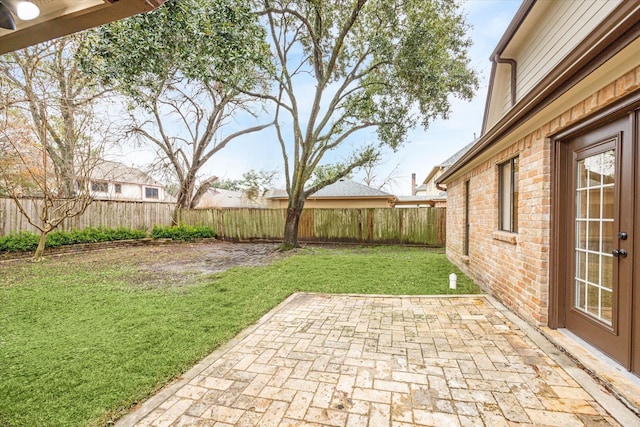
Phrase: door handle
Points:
(619, 253)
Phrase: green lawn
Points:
(84, 337)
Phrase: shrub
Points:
(15, 242)
(183, 232)
(28, 241)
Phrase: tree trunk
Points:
(41, 243)
(175, 218)
(183, 197)
(185, 193)
(290, 239)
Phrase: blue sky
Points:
(425, 149)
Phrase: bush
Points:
(19, 242)
(183, 232)
(28, 241)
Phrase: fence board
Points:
(424, 226)
(100, 213)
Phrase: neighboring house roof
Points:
(220, 198)
(451, 160)
(343, 188)
(417, 200)
(62, 17)
(448, 162)
(118, 172)
(348, 188)
(516, 96)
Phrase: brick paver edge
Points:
(138, 413)
(616, 408)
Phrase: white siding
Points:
(500, 98)
(547, 36)
(557, 31)
(130, 192)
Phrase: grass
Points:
(82, 339)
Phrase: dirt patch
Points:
(166, 265)
(214, 258)
(177, 265)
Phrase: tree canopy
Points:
(52, 103)
(378, 65)
(202, 40)
(183, 68)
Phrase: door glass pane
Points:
(593, 300)
(581, 235)
(593, 269)
(593, 171)
(607, 306)
(607, 237)
(594, 203)
(581, 293)
(581, 204)
(580, 265)
(594, 237)
(607, 272)
(608, 167)
(582, 176)
(608, 202)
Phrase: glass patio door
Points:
(598, 289)
(594, 236)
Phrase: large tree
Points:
(170, 65)
(344, 67)
(43, 88)
(50, 134)
(30, 177)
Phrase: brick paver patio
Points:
(346, 360)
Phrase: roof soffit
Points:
(62, 17)
(590, 64)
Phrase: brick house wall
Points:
(515, 267)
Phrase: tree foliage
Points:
(202, 40)
(27, 170)
(47, 98)
(326, 172)
(50, 135)
(378, 65)
(170, 64)
(254, 184)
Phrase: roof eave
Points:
(390, 197)
(508, 35)
(434, 170)
(74, 22)
(514, 26)
(618, 30)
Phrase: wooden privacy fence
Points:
(424, 226)
(100, 213)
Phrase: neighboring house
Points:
(219, 198)
(543, 211)
(115, 181)
(420, 190)
(341, 194)
(429, 190)
(416, 202)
